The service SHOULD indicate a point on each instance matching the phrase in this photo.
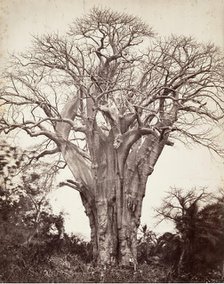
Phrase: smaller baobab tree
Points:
(199, 222)
(108, 105)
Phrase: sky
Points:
(178, 166)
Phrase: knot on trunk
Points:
(102, 209)
(118, 140)
(132, 203)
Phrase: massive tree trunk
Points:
(112, 186)
(114, 209)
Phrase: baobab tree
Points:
(107, 97)
(199, 222)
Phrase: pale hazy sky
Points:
(203, 19)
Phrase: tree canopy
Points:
(111, 71)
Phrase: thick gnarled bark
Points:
(115, 210)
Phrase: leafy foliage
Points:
(146, 245)
(209, 242)
(198, 245)
(25, 216)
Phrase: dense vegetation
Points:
(35, 248)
